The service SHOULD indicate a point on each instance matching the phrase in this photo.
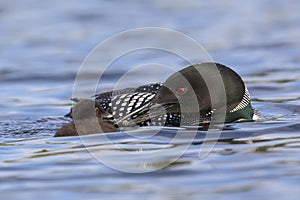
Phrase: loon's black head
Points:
(198, 89)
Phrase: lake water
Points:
(42, 46)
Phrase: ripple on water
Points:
(40, 57)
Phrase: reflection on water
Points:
(44, 43)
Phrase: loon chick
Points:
(84, 123)
(167, 104)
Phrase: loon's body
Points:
(183, 99)
(122, 103)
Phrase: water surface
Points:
(42, 46)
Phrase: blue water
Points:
(43, 44)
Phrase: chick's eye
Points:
(181, 91)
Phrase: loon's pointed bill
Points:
(159, 104)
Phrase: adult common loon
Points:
(185, 98)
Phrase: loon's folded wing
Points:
(105, 100)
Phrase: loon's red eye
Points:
(181, 91)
